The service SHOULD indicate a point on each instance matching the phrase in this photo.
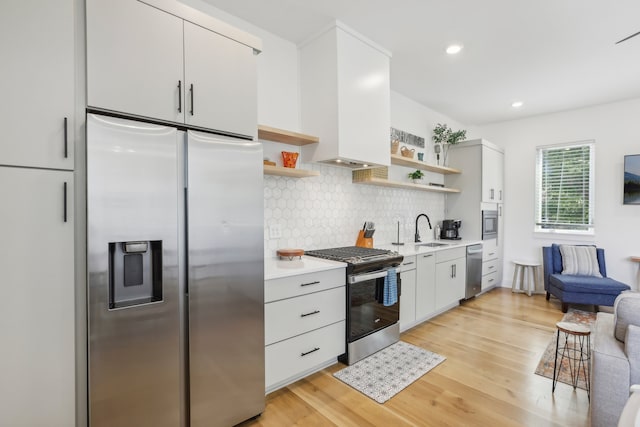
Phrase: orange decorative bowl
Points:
(289, 159)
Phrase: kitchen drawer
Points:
(444, 255)
(294, 316)
(489, 280)
(408, 263)
(489, 249)
(291, 286)
(490, 266)
(294, 356)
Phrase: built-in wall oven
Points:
(489, 224)
(371, 325)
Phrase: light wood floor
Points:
(492, 344)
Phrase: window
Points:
(564, 187)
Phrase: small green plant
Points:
(418, 174)
(443, 134)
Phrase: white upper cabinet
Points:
(345, 98)
(492, 175)
(134, 60)
(146, 62)
(37, 84)
(221, 84)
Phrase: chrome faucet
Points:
(417, 237)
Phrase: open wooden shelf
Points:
(285, 136)
(399, 160)
(290, 172)
(396, 184)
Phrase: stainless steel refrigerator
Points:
(175, 265)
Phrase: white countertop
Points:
(410, 248)
(275, 268)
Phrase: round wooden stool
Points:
(577, 350)
(527, 273)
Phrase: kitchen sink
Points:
(432, 244)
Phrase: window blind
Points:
(564, 187)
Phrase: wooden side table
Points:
(576, 348)
(527, 273)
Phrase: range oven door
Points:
(367, 314)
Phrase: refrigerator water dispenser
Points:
(135, 273)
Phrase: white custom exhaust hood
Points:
(345, 99)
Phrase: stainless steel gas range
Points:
(371, 326)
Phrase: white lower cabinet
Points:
(296, 357)
(425, 286)
(407, 292)
(491, 264)
(294, 316)
(37, 306)
(450, 276)
(304, 325)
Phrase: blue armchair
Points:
(574, 289)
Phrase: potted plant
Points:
(416, 176)
(443, 136)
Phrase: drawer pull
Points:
(309, 352)
(427, 256)
(309, 314)
(490, 280)
(491, 253)
(492, 266)
(408, 263)
(310, 283)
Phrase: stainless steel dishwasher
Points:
(474, 271)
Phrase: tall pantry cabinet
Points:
(482, 185)
(37, 308)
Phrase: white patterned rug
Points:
(385, 373)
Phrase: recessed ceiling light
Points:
(454, 48)
(517, 104)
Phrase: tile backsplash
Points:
(328, 210)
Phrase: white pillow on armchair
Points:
(580, 260)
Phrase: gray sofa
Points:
(615, 359)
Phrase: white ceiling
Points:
(553, 55)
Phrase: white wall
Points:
(616, 131)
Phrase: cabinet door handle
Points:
(66, 138)
(500, 210)
(500, 194)
(309, 352)
(408, 263)
(309, 314)
(310, 283)
(191, 93)
(452, 271)
(491, 197)
(64, 202)
(179, 96)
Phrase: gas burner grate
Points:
(351, 253)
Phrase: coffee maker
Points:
(450, 228)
